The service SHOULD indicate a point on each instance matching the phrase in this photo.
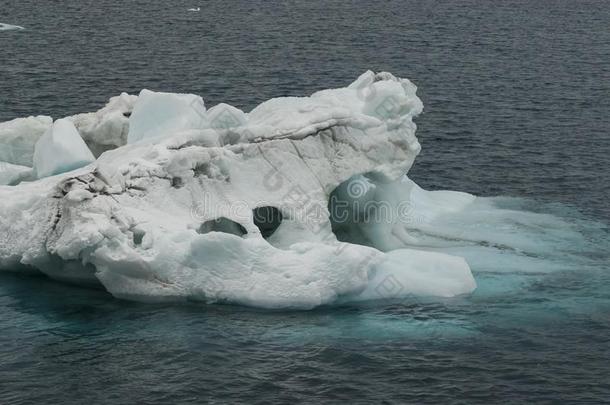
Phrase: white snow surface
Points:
(133, 220)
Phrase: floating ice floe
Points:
(9, 27)
(301, 202)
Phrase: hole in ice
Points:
(138, 237)
(223, 224)
(177, 182)
(352, 207)
(267, 219)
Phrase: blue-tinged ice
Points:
(61, 149)
(157, 115)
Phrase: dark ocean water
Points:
(516, 97)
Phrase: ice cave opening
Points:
(223, 224)
(353, 206)
(267, 219)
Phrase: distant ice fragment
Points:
(10, 27)
(157, 115)
(61, 149)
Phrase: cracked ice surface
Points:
(169, 211)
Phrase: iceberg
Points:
(303, 201)
(61, 149)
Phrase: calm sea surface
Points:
(517, 103)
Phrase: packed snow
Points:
(303, 201)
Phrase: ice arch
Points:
(223, 224)
(352, 207)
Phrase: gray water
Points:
(516, 104)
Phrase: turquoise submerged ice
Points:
(302, 202)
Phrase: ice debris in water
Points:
(301, 202)
(10, 27)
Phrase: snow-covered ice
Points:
(107, 128)
(270, 208)
(12, 174)
(18, 139)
